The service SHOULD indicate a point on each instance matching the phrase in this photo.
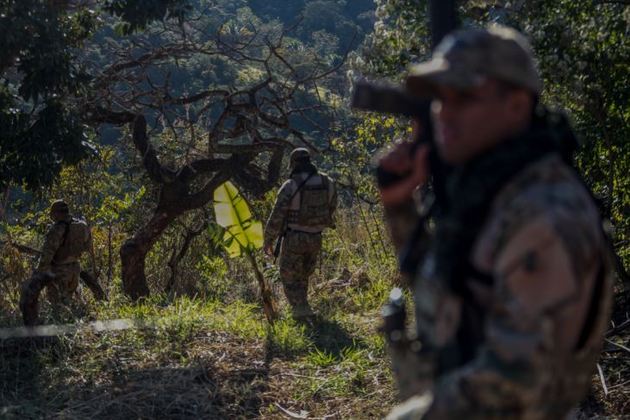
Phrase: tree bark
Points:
(4, 194)
(134, 251)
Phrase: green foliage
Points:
(37, 38)
(242, 232)
(289, 338)
(341, 19)
(214, 276)
(31, 151)
(40, 128)
(322, 358)
(583, 52)
(356, 148)
(42, 77)
(400, 37)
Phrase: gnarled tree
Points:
(262, 96)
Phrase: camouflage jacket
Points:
(288, 199)
(64, 243)
(535, 329)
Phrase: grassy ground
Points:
(610, 396)
(196, 359)
(215, 356)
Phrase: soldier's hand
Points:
(400, 161)
(268, 249)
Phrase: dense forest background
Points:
(134, 111)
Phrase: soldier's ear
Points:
(519, 104)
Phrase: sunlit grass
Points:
(339, 360)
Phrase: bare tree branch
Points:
(155, 170)
(250, 126)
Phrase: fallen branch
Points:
(302, 415)
(619, 385)
(620, 346)
(613, 331)
(602, 379)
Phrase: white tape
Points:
(55, 329)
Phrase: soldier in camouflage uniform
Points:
(66, 239)
(303, 209)
(512, 286)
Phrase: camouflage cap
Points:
(59, 206)
(300, 153)
(465, 58)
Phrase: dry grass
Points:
(216, 357)
(211, 375)
(199, 359)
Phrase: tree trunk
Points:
(110, 259)
(176, 198)
(134, 251)
(4, 193)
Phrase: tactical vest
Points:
(309, 209)
(75, 241)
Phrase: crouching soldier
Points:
(66, 240)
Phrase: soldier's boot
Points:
(53, 294)
(302, 311)
(296, 294)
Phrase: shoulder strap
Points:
(301, 185)
(65, 231)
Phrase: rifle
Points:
(381, 97)
(22, 248)
(408, 367)
(388, 99)
(278, 246)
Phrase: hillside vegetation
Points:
(134, 111)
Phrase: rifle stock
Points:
(278, 246)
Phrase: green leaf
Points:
(242, 231)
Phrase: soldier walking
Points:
(66, 240)
(303, 209)
(512, 281)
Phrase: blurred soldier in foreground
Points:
(66, 240)
(511, 282)
(303, 209)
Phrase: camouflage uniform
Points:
(514, 328)
(64, 243)
(302, 238)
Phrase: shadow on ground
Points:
(226, 379)
(330, 337)
(21, 382)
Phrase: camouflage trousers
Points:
(65, 283)
(297, 262)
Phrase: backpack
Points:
(75, 240)
(314, 206)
